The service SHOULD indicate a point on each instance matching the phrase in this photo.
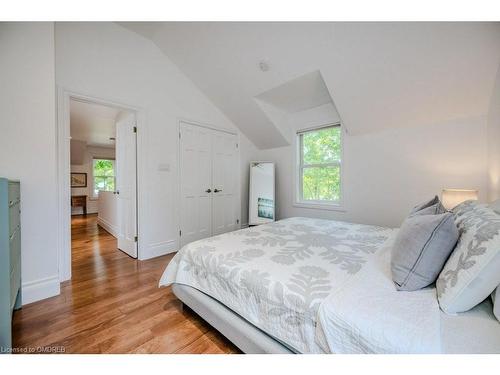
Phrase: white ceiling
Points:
(93, 123)
(299, 94)
(379, 75)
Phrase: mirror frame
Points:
(250, 191)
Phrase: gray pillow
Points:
(422, 246)
(431, 207)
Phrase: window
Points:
(103, 171)
(319, 166)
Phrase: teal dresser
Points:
(10, 258)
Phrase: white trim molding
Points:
(37, 290)
(160, 248)
(297, 193)
(108, 227)
(63, 224)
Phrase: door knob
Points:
(217, 190)
(208, 191)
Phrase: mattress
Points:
(276, 275)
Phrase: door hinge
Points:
(180, 233)
(236, 145)
(237, 221)
(179, 135)
(135, 129)
(136, 238)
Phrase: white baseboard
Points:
(108, 227)
(158, 249)
(40, 289)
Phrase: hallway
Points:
(112, 304)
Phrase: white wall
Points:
(494, 142)
(388, 172)
(28, 147)
(89, 153)
(106, 61)
(248, 153)
(108, 212)
(385, 172)
(77, 151)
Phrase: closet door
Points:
(225, 182)
(195, 182)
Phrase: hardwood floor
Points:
(112, 304)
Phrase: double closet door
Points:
(209, 173)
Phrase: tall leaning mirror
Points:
(261, 205)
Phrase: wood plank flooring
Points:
(113, 304)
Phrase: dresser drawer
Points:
(14, 193)
(15, 248)
(14, 218)
(15, 283)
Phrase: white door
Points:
(225, 183)
(126, 185)
(195, 182)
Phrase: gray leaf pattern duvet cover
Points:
(277, 275)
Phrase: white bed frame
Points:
(248, 338)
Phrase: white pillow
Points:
(495, 296)
(473, 270)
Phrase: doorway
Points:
(98, 154)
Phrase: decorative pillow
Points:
(495, 296)
(432, 207)
(422, 246)
(472, 272)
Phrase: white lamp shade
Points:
(453, 197)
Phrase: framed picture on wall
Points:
(78, 180)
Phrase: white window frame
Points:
(300, 166)
(93, 194)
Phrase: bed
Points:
(304, 285)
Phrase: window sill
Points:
(320, 206)
(93, 198)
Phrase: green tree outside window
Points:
(320, 163)
(104, 175)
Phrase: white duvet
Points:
(368, 315)
(316, 285)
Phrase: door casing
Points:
(63, 227)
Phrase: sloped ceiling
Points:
(93, 124)
(299, 94)
(379, 75)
